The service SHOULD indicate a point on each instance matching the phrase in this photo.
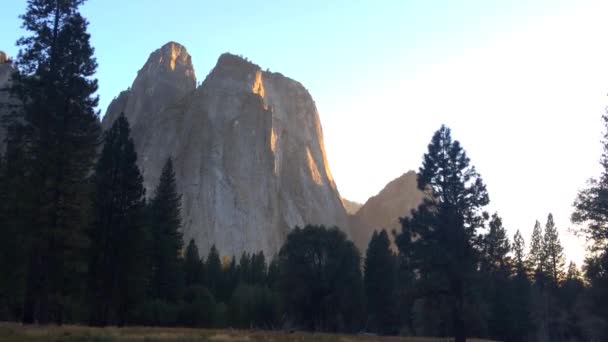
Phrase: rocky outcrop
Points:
(351, 207)
(247, 147)
(383, 211)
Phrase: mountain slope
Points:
(383, 210)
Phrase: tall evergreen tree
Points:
(591, 217)
(495, 268)
(117, 269)
(213, 276)
(519, 253)
(56, 90)
(554, 253)
(536, 255)
(591, 204)
(165, 212)
(519, 294)
(496, 246)
(16, 198)
(380, 280)
(443, 229)
(193, 266)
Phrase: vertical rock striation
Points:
(247, 147)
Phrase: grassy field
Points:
(18, 332)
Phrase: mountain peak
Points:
(171, 57)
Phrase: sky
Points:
(521, 83)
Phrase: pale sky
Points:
(522, 83)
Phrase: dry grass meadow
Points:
(18, 332)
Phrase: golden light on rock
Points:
(258, 84)
(312, 166)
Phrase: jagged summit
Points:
(172, 57)
(247, 147)
(167, 76)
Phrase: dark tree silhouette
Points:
(118, 263)
(60, 134)
(321, 283)
(165, 213)
(380, 280)
(443, 229)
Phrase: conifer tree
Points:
(519, 252)
(536, 255)
(61, 129)
(553, 252)
(213, 266)
(495, 268)
(118, 264)
(379, 280)
(519, 294)
(193, 266)
(165, 213)
(496, 246)
(591, 204)
(443, 229)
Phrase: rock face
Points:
(351, 206)
(383, 211)
(247, 147)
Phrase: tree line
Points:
(82, 243)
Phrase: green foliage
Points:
(58, 130)
(380, 285)
(193, 265)
(591, 204)
(254, 306)
(519, 248)
(198, 308)
(213, 267)
(165, 224)
(553, 253)
(118, 261)
(537, 261)
(321, 283)
(440, 236)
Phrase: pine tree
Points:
(379, 281)
(442, 231)
(61, 134)
(553, 252)
(213, 276)
(495, 269)
(193, 266)
(591, 204)
(117, 265)
(496, 246)
(591, 217)
(258, 268)
(519, 252)
(165, 212)
(519, 294)
(16, 198)
(536, 255)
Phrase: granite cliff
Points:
(383, 210)
(247, 147)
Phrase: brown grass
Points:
(51, 333)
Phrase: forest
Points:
(81, 243)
